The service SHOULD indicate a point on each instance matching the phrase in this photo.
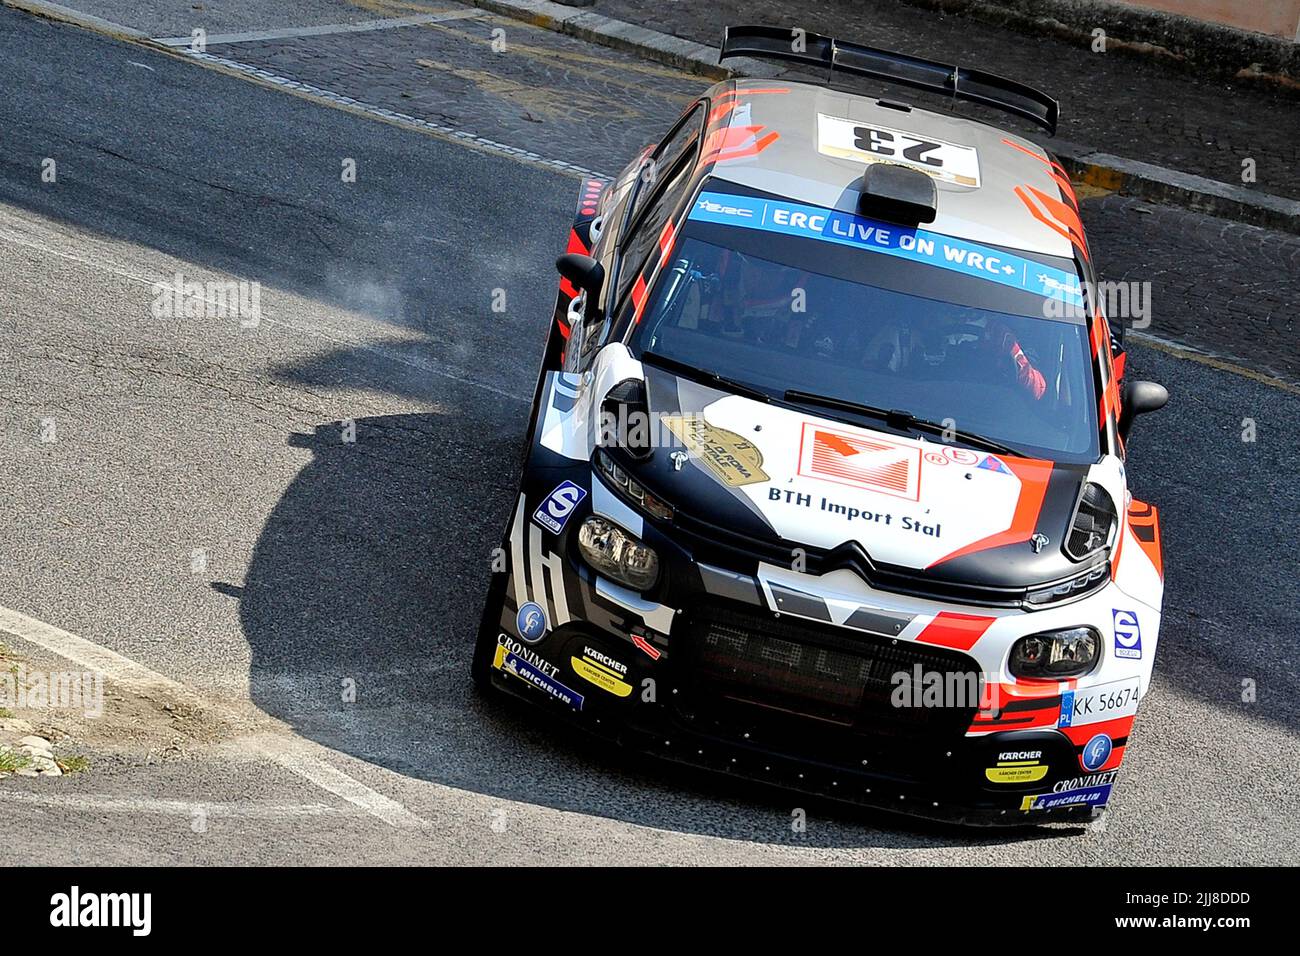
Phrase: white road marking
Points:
(243, 809)
(87, 654)
(291, 33)
(294, 754)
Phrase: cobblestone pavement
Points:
(1215, 285)
(162, 18)
(1220, 286)
(1116, 102)
(530, 90)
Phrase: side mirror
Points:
(1139, 398)
(583, 271)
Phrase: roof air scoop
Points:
(898, 194)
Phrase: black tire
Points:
(488, 629)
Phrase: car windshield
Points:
(787, 313)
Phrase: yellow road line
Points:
(1213, 361)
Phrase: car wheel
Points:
(489, 627)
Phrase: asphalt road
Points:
(200, 513)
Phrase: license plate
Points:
(1103, 702)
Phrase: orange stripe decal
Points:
(1054, 170)
(1066, 216)
(575, 245)
(736, 143)
(1144, 523)
(638, 297)
(958, 631)
(666, 240)
(1033, 475)
(1119, 551)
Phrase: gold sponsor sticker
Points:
(1016, 772)
(604, 678)
(733, 459)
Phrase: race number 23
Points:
(884, 143)
(863, 142)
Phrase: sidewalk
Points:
(1114, 102)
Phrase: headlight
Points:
(1076, 586)
(631, 488)
(1094, 520)
(618, 555)
(1056, 655)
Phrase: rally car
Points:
(824, 484)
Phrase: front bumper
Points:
(727, 670)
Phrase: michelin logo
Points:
(513, 664)
(554, 513)
(1086, 796)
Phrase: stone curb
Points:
(55, 11)
(1128, 176)
(1232, 53)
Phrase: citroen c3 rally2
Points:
(824, 484)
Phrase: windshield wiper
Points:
(899, 419)
(712, 378)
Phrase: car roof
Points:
(795, 140)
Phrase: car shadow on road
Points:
(360, 605)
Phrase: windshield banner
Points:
(904, 242)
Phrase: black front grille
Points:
(785, 672)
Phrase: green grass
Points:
(5, 713)
(74, 764)
(10, 761)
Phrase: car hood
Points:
(772, 473)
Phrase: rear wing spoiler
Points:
(813, 49)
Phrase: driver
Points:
(925, 341)
(1029, 378)
(762, 300)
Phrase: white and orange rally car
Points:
(825, 480)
